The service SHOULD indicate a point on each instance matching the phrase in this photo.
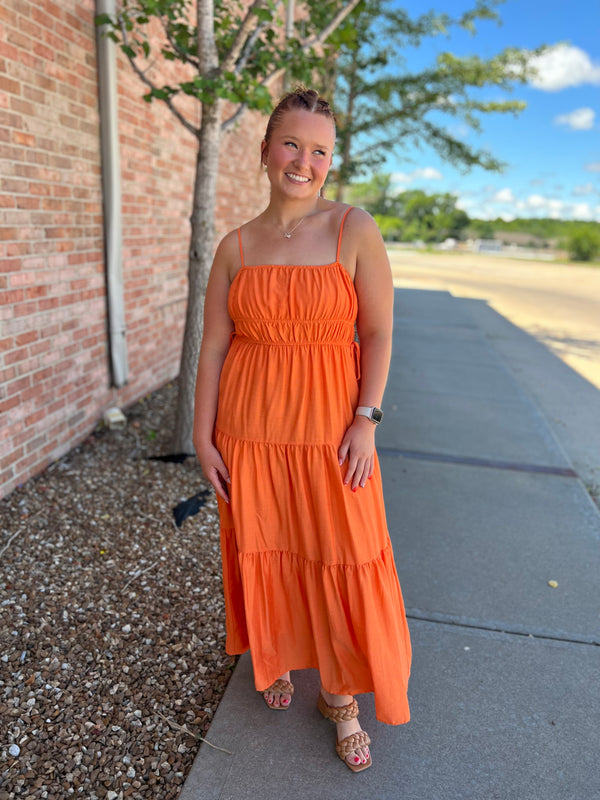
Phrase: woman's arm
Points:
(215, 345)
(375, 292)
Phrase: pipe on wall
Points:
(111, 193)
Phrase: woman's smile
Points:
(293, 176)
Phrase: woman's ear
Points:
(264, 153)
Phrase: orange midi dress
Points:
(308, 570)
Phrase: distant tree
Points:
(381, 104)
(374, 195)
(230, 53)
(435, 217)
(584, 244)
(482, 228)
(392, 228)
(410, 215)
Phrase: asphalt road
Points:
(558, 304)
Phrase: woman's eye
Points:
(290, 144)
(320, 152)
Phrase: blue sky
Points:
(553, 147)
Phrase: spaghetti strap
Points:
(241, 248)
(337, 257)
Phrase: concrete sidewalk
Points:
(484, 508)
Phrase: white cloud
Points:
(504, 196)
(424, 173)
(586, 188)
(468, 204)
(429, 174)
(593, 166)
(532, 206)
(582, 211)
(582, 119)
(536, 201)
(561, 66)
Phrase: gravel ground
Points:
(112, 629)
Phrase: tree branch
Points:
(185, 57)
(249, 47)
(228, 62)
(329, 29)
(143, 77)
(308, 44)
(230, 122)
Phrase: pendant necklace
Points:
(288, 234)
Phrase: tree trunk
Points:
(200, 255)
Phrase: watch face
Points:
(377, 415)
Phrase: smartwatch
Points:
(371, 412)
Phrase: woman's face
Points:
(299, 153)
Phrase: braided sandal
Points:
(279, 687)
(350, 743)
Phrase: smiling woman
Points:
(298, 149)
(287, 404)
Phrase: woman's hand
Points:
(358, 446)
(214, 469)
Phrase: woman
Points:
(286, 410)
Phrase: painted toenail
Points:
(356, 759)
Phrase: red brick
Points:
(15, 296)
(27, 338)
(6, 405)
(33, 292)
(18, 386)
(26, 463)
(33, 419)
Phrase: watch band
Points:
(371, 412)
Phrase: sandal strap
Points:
(352, 743)
(280, 687)
(338, 713)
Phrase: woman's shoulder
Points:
(359, 225)
(230, 241)
(352, 216)
(228, 249)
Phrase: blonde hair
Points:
(302, 99)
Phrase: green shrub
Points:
(584, 244)
(391, 227)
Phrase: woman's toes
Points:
(269, 697)
(360, 756)
(277, 700)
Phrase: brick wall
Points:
(54, 369)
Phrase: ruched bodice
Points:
(281, 304)
(308, 571)
(291, 352)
